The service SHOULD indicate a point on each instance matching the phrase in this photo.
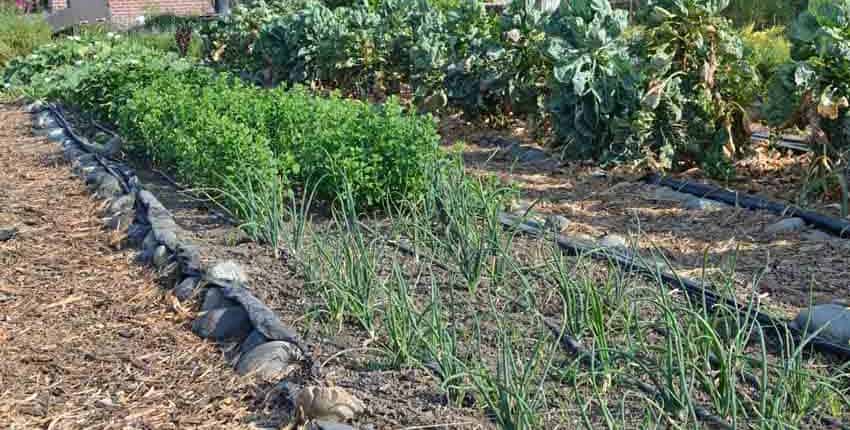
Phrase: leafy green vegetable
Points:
(813, 90)
(698, 85)
(595, 87)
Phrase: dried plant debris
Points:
(88, 339)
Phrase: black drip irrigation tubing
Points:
(696, 290)
(837, 226)
(126, 177)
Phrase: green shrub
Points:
(698, 87)
(183, 124)
(379, 151)
(766, 49)
(20, 34)
(230, 41)
(594, 84)
(764, 13)
(813, 90)
(22, 71)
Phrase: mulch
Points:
(87, 338)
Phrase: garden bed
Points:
(361, 360)
(793, 268)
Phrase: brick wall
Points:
(127, 12)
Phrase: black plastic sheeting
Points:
(700, 292)
(837, 226)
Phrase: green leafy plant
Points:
(20, 34)
(594, 84)
(813, 90)
(230, 40)
(766, 49)
(698, 86)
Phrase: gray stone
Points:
(94, 178)
(815, 235)
(45, 120)
(263, 319)
(329, 425)
(526, 153)
(227, 271)
(667, 194)
(160, 256)
(613, 240)
(698, 204)
(149, 243)
(186, 288)
(122, 204)
(160, 219)
(7, 234)
(253, 340)
(787, 225)
(557, 223)
(71, 153)
(214, 299)
(833, 318)
(84, 170)
(223, 324)
(109, 187)
(270, 361)
(520, 208)
(56, 134)
(583, 239)
(35, 107)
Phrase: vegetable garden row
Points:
(674, 87)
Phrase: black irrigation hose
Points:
(127, 179)
(696, 290)
(839, 227)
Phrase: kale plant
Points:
(594, 85)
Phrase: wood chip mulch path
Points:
(87, 338)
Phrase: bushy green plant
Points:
(20, 34)
(699, 85)
(378, 152)
(197, 127)
(230, 40)
(813, 90)
(315, 44)
(505, 71)
(594, 84)
(766, 49)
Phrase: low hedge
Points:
(211, 127)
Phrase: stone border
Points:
(254, 339)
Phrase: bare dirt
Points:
(87, 338)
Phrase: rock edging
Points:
(257, 341)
